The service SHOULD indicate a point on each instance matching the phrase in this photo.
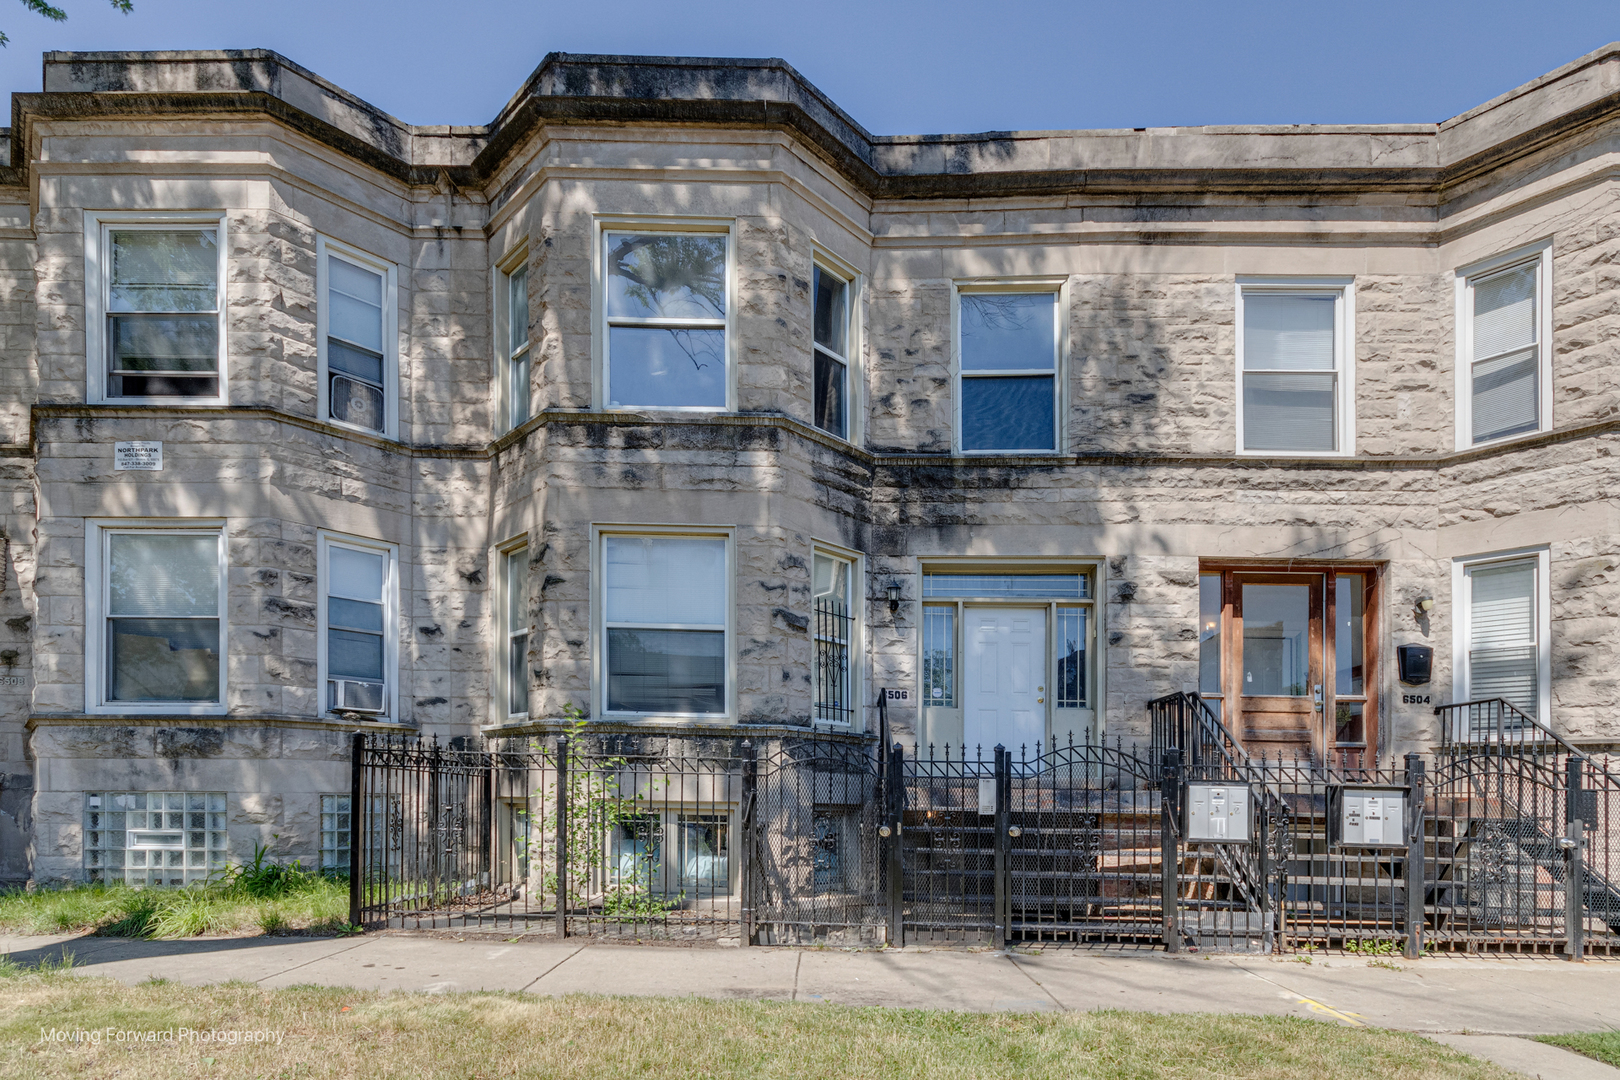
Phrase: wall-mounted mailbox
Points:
(1367, 816)
(1219, 813)
(1416, 663)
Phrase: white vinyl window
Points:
(157, 598)
(1295, 346)
(359, 370)
(515, 629)
(832, 349)
(169, 838)
(1009, 352)
(665, 616)
(665, 302)
(1504, 377)
(155, 331)
(514, 395)
(1503, 649)
(358, 627)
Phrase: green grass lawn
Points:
(1603, 1045)
(321, 1032)
(262, 899)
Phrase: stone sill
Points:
(723, 729)
(38, 720)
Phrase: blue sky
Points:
(899, 67)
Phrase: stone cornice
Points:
(1307, 161)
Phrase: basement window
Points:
(154, 837)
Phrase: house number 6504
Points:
(1414, 699)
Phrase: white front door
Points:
(1004, 682)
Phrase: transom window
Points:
(161, 598)
(162, 299)
(666, 302)
(1502, 361)
(664, 626)
(1007, 373)
(357, 349)
(832, 353)
(1295, 377)
(1008, 586)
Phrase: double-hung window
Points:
(358, 647)
(665, 614)
(1503, 371)
(832, 336)
(665, 299)
(356, 327)
(1008, 352)
(1295, 368)
(515, 629)
(513, 332)
(1502, 647)
(159, 333)
(160, 595)
(834, 612)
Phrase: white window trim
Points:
(599, 620)
(1461, 597)
(603, 224)
(1060, 387)
(1344, 345)
(97, 268)
(391, 630)
(503, 637)
(857, 634)
(500, 285)
(98, 553)
(854, 344)
(1541, 253)
(390, 335)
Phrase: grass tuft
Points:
(1602, 1045)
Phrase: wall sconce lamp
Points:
(1422, 607)
(893, 593)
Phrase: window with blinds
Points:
(1503, 634)
(1291, 367)
(664, 609)
(163, 312)
(162, 607)
(1504, 356)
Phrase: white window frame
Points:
(1344, 347)
(99, 552)
(857, 634)
(854, 380)
(1059, 287)
(502, 288)
(324, 248)
(505, 632)
(601, 361)
(1461, 603)
(1540, 253)
(599, 627)
(391, 600)
(98, 225)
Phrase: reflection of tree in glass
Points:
(680, 276)
(164, 270)
(1000, 311)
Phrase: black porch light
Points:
(893, 593)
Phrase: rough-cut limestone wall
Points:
(445, 667)
(909, 380)
(270, 317)
(17, 605)
(19, 370)
(1404, 347)
(560, 309)
(773, 319)
(273, 777)
(445, 364)
(1586, 309)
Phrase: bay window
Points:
(358, 643)
(158, 334)
(834, 616)
(159, 598)
(1504, 376)
(1295, 368)
(831, 332)
(356, 320)
(515, 629)
(665, 304)
(665, 616)
(512, 307)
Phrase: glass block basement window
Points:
(153, 837)
(335, 832)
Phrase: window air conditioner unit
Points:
(350, 695)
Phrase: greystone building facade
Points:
(674, 400)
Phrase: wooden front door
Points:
(1288, 658)
(1277, 653)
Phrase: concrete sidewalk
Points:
(1435, 995)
